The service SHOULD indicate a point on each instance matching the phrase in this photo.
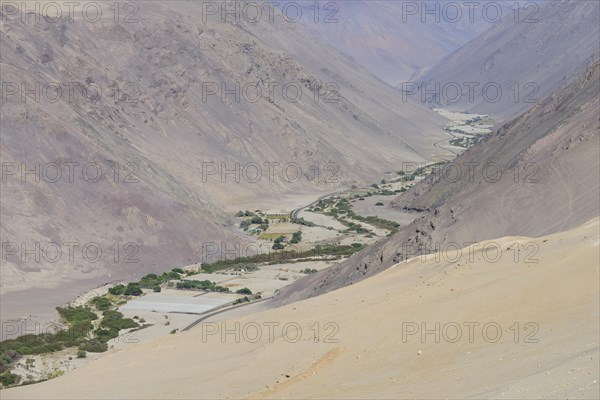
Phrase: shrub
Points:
(244, 291)
(81, 354)
(189, 284)
(117, 290)
(55, 374)
(280, 239)
(104, 335)
(156, 289)
(302, 221)
(178, 270)
(245, 224)
(246, 267)
(244, 299)
(79, 320)
(202, 285)
(133, 289)
(147, 281)
(379, 203)
(93, 346)
(102, 303)
(114, 320)
(296, 237)
(8, 379)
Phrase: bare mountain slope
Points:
(549, 183)
(366, 341)
(395, 39)
(527, 60)
(138, 97)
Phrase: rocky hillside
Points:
(132, 125)
(396, 39)
(519, 61)
(549, 154)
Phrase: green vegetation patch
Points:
(201, 285)
(79, 324)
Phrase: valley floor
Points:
(437, 327)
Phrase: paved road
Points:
(213, 313)
(297, 210)
(436, 144)
(225, 308)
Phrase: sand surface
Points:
(365, 344)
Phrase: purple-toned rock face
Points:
(543, 154)
(127, 142)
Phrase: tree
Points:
(117, 290)
(133, 289)
(156, 289)
(244, 291)
(296, 237)
(280, 239)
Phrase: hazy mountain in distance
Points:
(527, 58)
(143, 116)
(549, 154)
(396, 39)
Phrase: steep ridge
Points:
(134, 102)
(367, 340)
(395, 39)
(527, 56)
(549, 154)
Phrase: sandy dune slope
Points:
(377, 350)
(535, 176)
